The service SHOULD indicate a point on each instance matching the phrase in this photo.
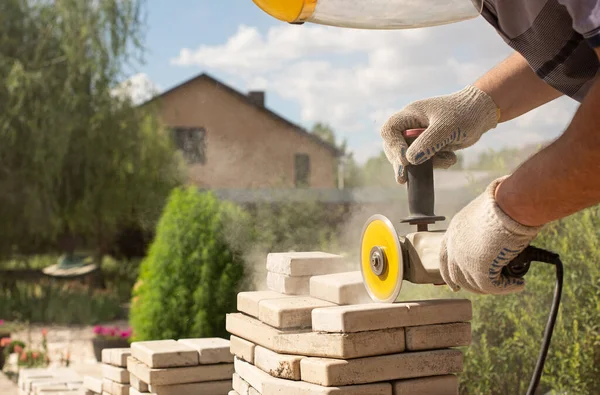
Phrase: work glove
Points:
(453, 122)
(480, 240)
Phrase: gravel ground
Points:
(75, 341)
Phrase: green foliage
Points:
(193, 271)
(60, 303)
(75, 157)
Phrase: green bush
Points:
(193, 271)
(66, 303)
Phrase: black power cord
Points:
(518, 267)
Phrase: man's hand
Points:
(480, 240)
(453, 122)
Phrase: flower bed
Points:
(109, 337)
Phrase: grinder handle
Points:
(421, 196)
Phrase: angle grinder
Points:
(387, 259)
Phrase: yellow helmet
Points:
(372, 14)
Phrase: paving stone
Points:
(288, 285)
(212, 350)
(232, 393)
(138, 384)
(266, 384)
(284, 366)
(116, 356)
(181, 375)
(294, 312)
(438, 385)
(133, 391)
(92, 383)
(374, 316)
(309, 343)
(309, 263)
(114, 388)
(204, 388)
(431, 337)
(247, 302)
(242, 348)
(240, 385)
(115, 373)
(164, 354)
(340, 288)
(331, 372)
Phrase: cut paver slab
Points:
(247, 302)
(331, 372)
(308, 263)
(284, 366)
(212, 350)
(114, 388)
(288, 285)
(205, 388)
(431, 337)
(115, 373)
(242, 348)
(294, 312)
(266, 384)
(164, 354)
(116, 356)
(309, 343)
(373, 316)
(340, 288)
(190, 374)
(92, 383)
(240, 385)
(438, 385)
(138, 384)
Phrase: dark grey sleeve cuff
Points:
(593, 38)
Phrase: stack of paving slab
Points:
(45, 381)
(183, 367)
(115, 378)
(316, 331)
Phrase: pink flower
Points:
(98, 329)
(126, 333)
(106, 331)
(44, 332)
(1, 322)
(5, 341)
(18, 349)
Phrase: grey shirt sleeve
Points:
(586, 18)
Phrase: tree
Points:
(194, 269)
(76, 160)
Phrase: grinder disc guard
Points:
(381, 263)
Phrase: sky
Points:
(351, 79)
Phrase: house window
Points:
(192, 142)
(302, 170)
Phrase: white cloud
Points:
(354, 79)
(138, 87)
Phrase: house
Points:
(232, 141)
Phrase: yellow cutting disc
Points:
(381, 261)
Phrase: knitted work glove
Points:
(480, 240)
(453, 122)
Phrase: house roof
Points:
(266, 111)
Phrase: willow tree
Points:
(75, 158)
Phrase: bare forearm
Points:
(564, 177)
(515, 88)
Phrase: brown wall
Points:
(245, 147)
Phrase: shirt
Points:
(556, 37)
